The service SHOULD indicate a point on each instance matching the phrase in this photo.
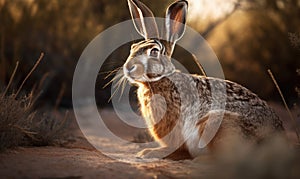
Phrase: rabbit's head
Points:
(150, 59)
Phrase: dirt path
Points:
(56, 162)
(76, 158)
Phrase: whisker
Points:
(109, 73)
(112, 72)
(113, 62)
(123, 86)
(112, 80)
(115, 91)
(117, 87)
(106, 72)
(118, 83)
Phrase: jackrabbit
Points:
(180, 108)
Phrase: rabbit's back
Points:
(238, 99)
(185, 99)
(253, 116)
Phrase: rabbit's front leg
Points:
(159, 152)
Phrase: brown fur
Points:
(177, 106)
(149, 108)
(229, 130)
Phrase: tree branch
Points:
(213, 25)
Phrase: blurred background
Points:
(248, 36)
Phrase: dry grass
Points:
(47, 129)
(285, 104)
(21, 124)
(13, 121)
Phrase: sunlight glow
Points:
(210, 9)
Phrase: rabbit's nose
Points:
(132, 68)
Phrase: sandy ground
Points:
(57, 162)
(75, 157)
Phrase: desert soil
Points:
(75, 157)
(58, 162)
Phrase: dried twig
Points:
(60, 96)
(213, 25)
(10, 80)
(199, 65)
(26, 132)
(63, 122)
(28, 75)
(42, 81)
(285, 104)
(38, 89)
(34, 99)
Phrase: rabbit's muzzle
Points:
(143, 68)
(134, 70)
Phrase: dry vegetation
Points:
(14, 120)
(21, 124)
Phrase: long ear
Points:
(143, 19)
(175, 20)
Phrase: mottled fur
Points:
(178, 108)
(246, 114)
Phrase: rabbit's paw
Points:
(154, 153)
(143, 153)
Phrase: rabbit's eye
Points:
(154, 52)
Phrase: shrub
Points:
(20, 125)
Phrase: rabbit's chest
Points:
(158, 105)
(160, 109)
